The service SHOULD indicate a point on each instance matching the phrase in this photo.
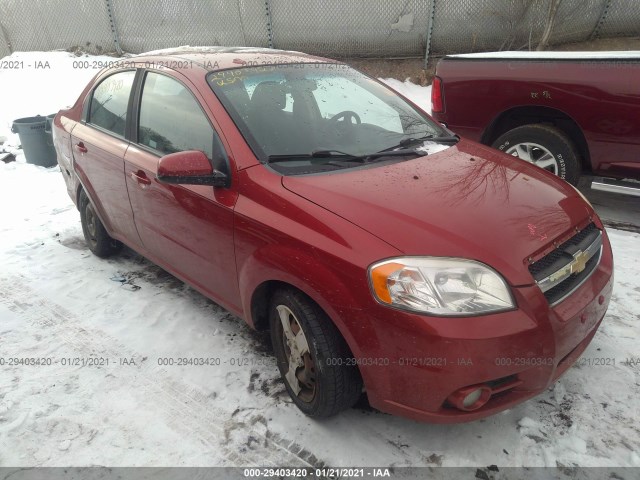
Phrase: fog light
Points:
(471, 397)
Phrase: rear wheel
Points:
(314, 360)
(96, 236)
(546, 147)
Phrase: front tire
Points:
(96, 236)
(315, 362)
(546, 147)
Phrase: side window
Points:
(171, 119)
(110, 101)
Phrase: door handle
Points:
(81, 148)
(141, 178)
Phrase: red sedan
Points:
(445, 279)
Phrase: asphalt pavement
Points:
(615, 210)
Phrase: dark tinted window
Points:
(110, 101)
(171, 119)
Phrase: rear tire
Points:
(96, 236)
(314, 360)
(545, 146)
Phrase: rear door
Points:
(188, 229)
(99, 145)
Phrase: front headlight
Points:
(440, 286)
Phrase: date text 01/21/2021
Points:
(325, 472)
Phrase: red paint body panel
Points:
(101, 169)
(602, 97)
(320, 234)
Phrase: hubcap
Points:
(301, 372)
(536, 154)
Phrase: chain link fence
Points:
(340, 28)
(351, 28)
(54, 24)
(518, 24)
(144, 26)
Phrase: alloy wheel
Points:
(301, 373)
(536, 154)
(91, 221)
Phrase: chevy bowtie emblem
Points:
(579, 262)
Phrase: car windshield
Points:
(311, 117)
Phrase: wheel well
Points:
(261, 299)
(260, 306)
(80, 190)
(260, 302)
(517, 117)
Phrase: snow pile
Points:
(522, 55)
(421, 96)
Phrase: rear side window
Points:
(171, 119)
(110, 101)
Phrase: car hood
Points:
(468, 201)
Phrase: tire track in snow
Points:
(202, 420)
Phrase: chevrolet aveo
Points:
(446, 280)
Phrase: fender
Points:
(312, 249)
(274, 262)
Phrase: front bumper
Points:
(413, 363)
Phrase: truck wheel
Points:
(97, 238)
(313, 358)
(544, 146)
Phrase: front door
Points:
(188, 229)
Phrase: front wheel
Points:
(546, 147)
(316, 365)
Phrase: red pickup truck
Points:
(567, 112)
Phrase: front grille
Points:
(560, 254)
(563, 256)
(558, 292)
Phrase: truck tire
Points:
(96, 236)
(314, 360)
(546, 147)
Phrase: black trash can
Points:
(37, 144)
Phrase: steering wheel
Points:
(346, 117)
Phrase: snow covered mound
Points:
(599, 55)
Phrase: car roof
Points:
(222, 58)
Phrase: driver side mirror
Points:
(191, 167)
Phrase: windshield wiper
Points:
(347, 157)
(395, 151)
(333, 154)
(451, 139)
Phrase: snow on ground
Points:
(58, 302)
(421, 96)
